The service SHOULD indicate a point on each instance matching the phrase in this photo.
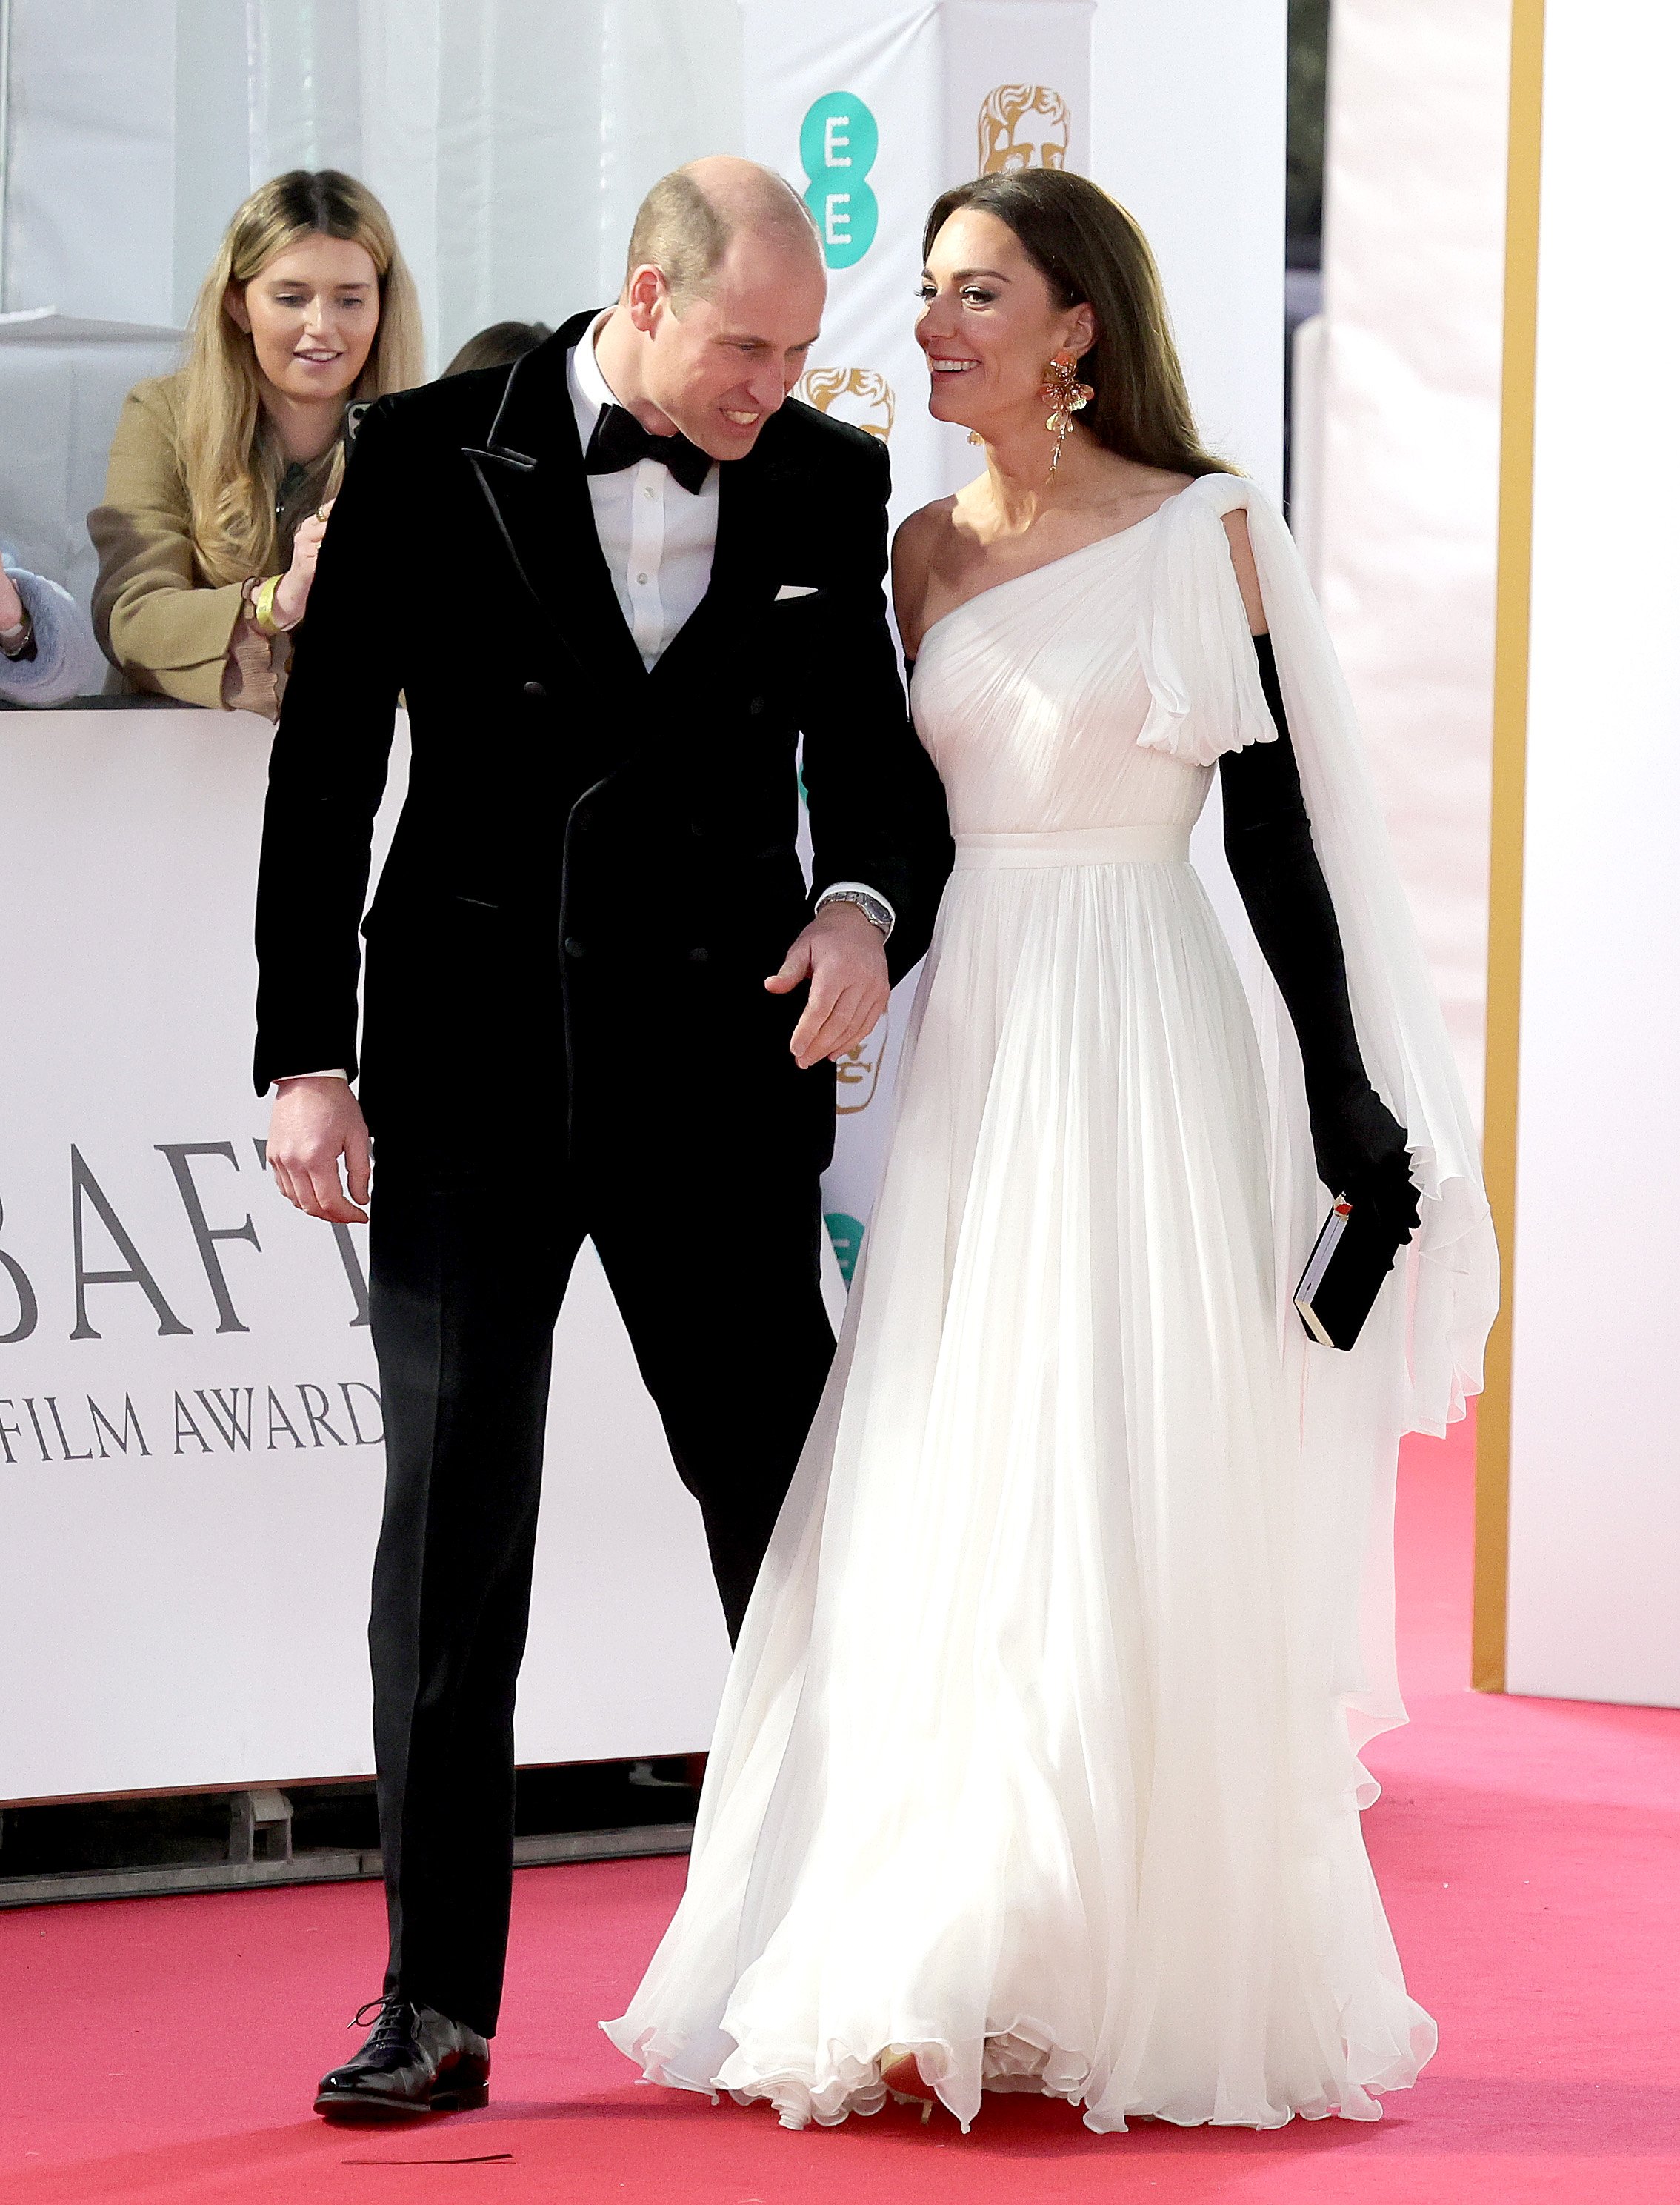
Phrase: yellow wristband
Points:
(261, 607)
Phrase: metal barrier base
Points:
(334, 1866)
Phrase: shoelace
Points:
(397, 2018)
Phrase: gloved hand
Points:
(1359, 1147)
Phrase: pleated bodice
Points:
(1032, 696)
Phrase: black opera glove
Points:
(1359, 1145)
(1360, 1149)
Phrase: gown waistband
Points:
(1138, 845)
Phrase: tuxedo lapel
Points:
(529, 469)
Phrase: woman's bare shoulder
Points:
(915, 548)
(1248, 575)
(1165, 482)
(919, 537)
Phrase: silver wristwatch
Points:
(872, 907)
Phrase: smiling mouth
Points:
(318, 359)
(741, 420)
(949, 367)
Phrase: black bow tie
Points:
(619, 441)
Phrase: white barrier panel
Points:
(191, 1469)
(1595, 1546)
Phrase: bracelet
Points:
(261, 607)
(871, 907)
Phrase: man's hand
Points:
(316, 1121)
(845, 959)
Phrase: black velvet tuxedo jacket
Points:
(595, 867)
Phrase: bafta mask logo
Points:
(1022, 125)
(861, 395)
(858, 1072)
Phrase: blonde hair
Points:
(684, 229)
(232, 462)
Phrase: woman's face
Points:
(988, 326)
(312, 313)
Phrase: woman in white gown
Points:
(1036, 1766)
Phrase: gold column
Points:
(1510, 717)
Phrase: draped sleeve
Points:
(1193, 641)
(1420, 1355)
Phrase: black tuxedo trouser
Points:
(467, 1276)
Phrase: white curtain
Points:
(1409, 441)
(511, 139)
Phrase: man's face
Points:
(722, 363)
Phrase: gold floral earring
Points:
(1065, 396)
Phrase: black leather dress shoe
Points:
(416, 2061)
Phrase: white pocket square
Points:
(796, 590)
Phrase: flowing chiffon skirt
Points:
(1026, 1761)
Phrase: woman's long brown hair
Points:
(1090, 252)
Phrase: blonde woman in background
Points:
(221, 476)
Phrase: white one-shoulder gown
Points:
(1035, 1752)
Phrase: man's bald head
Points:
(687, 222)
(721, 304)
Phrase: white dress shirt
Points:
(657, 539)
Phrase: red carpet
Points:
(166, 2049)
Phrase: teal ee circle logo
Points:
(838, 144)
(846, 1235)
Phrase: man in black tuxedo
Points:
(615, 584)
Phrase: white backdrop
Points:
(63, 381)
(1188, 113)
(183, 1589)
(511, 139)
(1182, 117)
(1408, 445)
(870, 126)
(1595, 1551)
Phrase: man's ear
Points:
(233, 306)
(644, 295)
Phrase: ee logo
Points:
(838, 144)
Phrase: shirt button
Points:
(648, 492)
(698, 956)
(641, 578)
(535, 689)
(571, 946)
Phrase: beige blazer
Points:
(156, 616)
